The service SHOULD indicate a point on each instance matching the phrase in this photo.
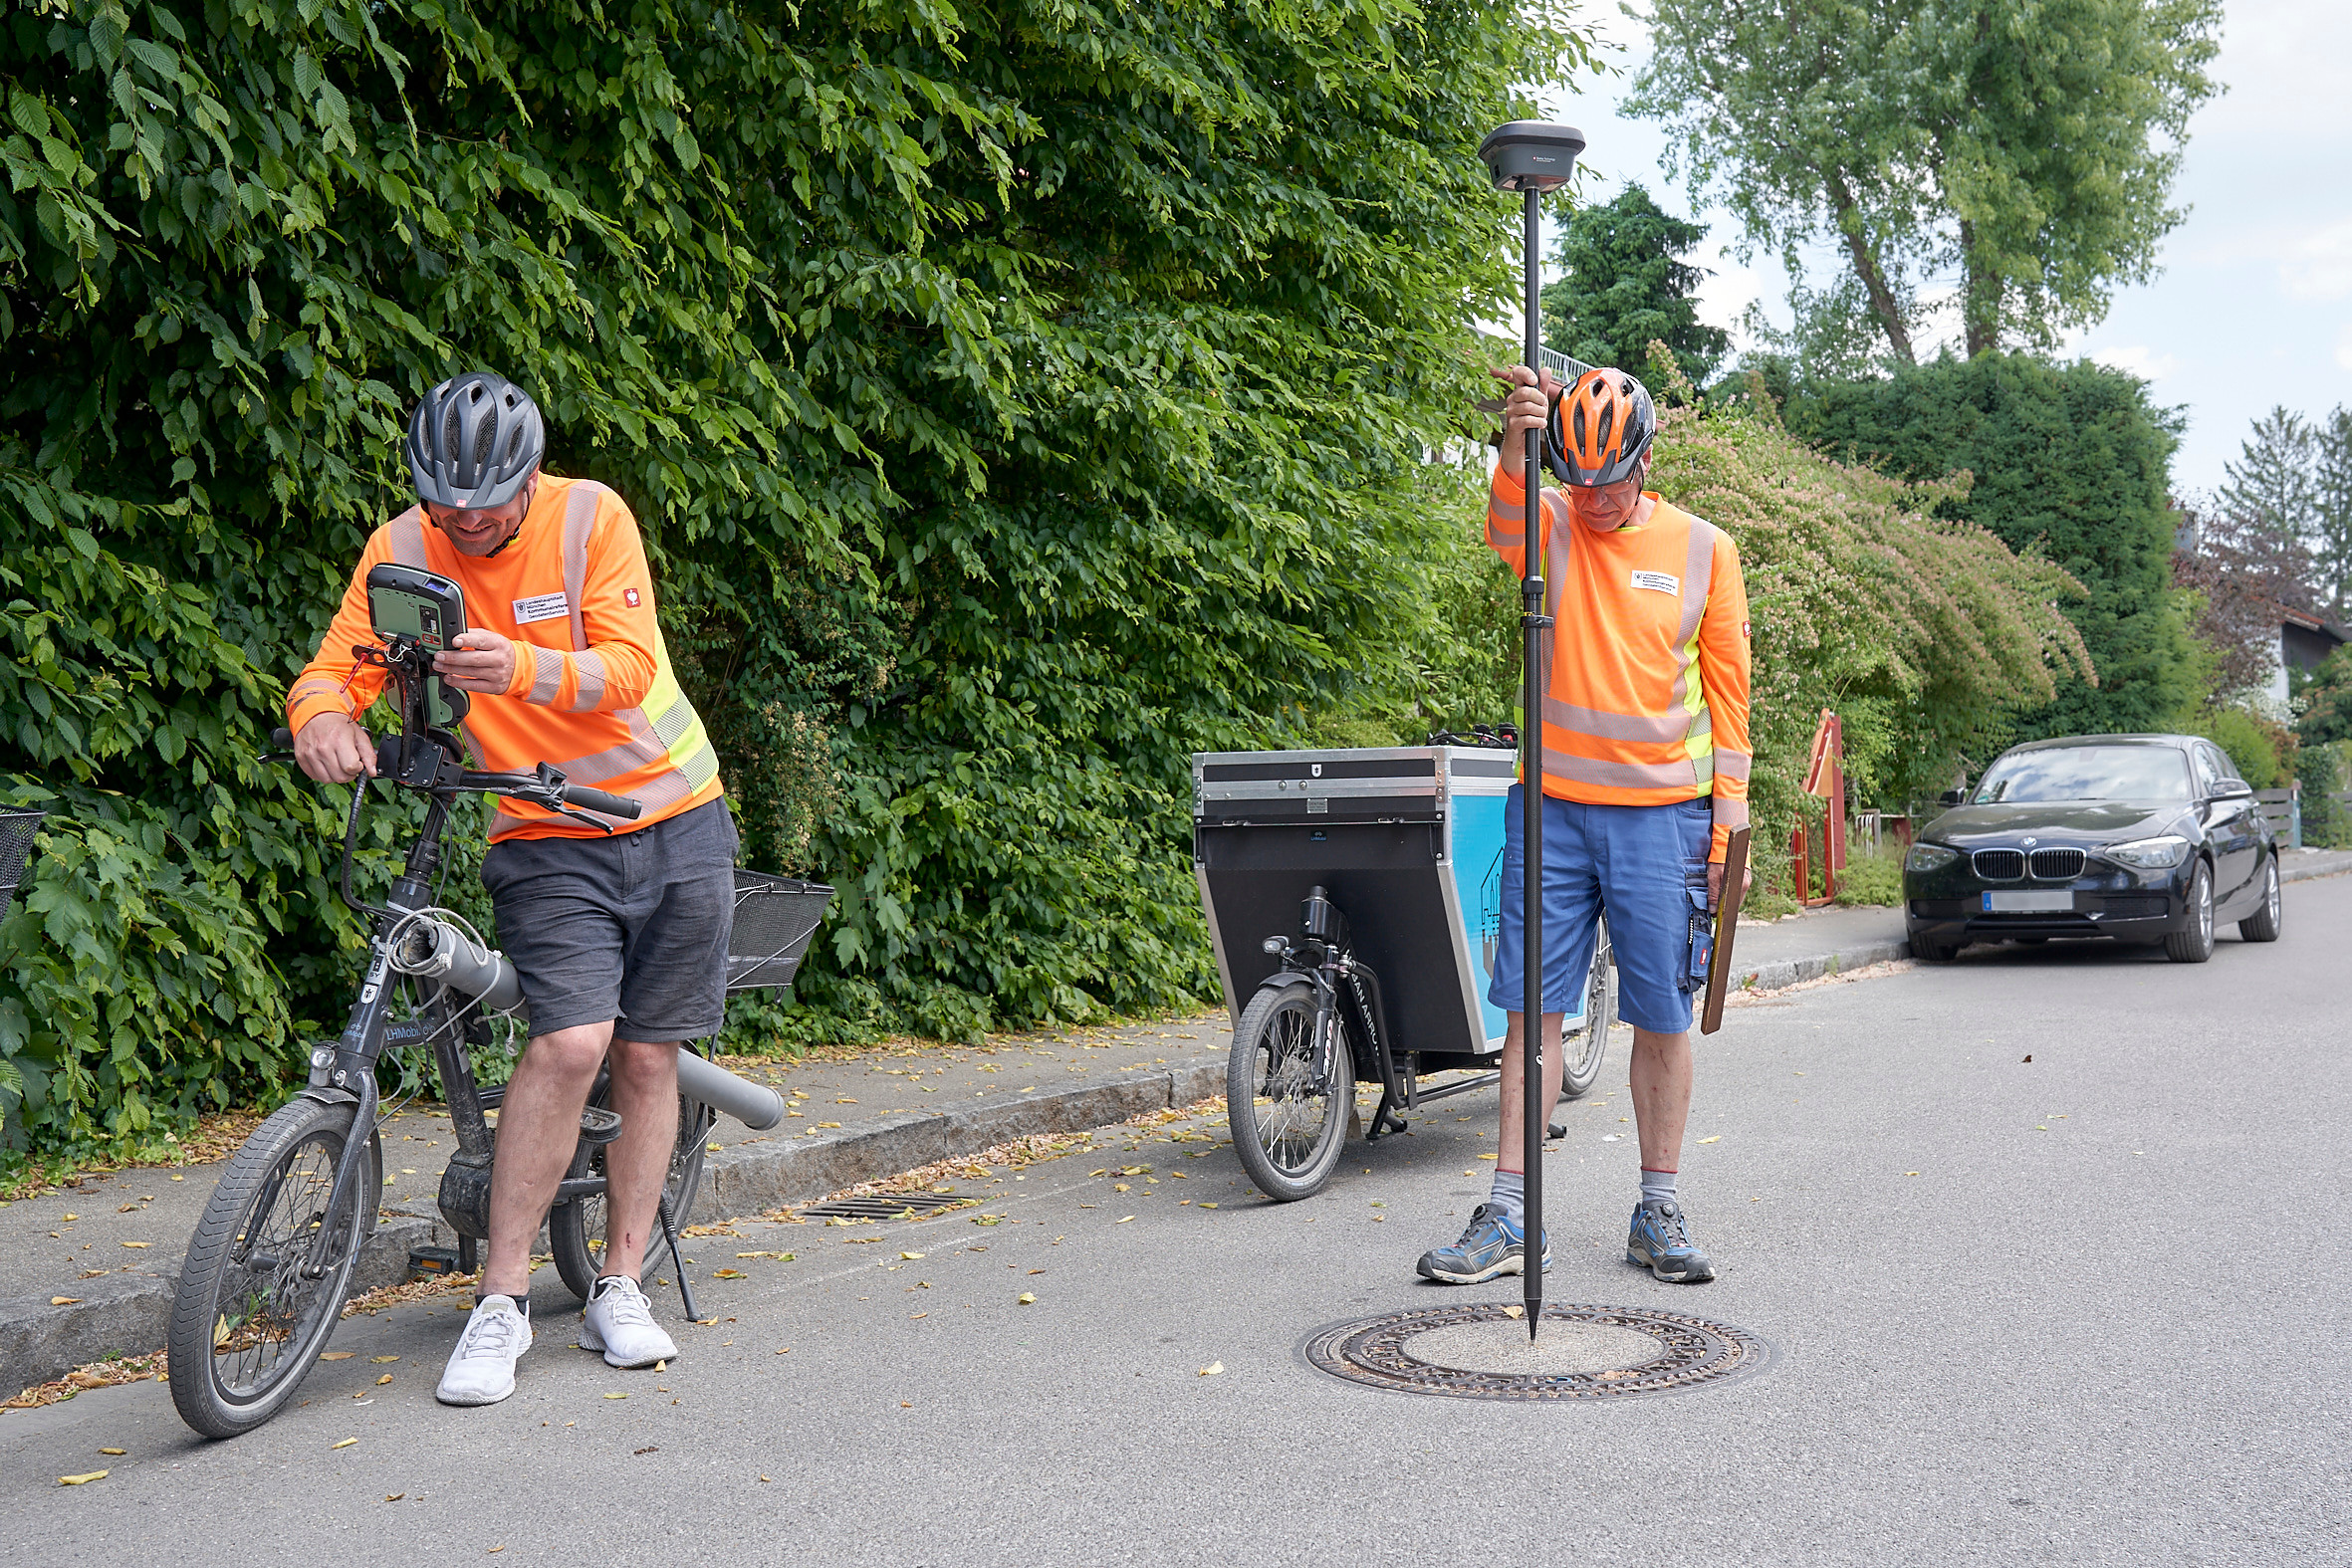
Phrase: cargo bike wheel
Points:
(1288, 1112)
(249, 1316)
(577, 1229)
(1584, 1050)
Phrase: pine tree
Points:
(2331, 532)
(2270, 484)
(1625, 286)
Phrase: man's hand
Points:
(478, 661)
(334, 748)
(1715, 884)
(1525, 410)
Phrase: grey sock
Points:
(1511, 1195)
(1657, 1187)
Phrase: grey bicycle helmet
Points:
(473, 441)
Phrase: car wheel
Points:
(1928, 952)
(2262, 924)
(2194, 942)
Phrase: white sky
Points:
(2253, 304)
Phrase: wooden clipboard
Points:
(1727, 920)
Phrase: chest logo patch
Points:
(1658, 581)
(541, 606)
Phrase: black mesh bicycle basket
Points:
(775, 918)
(16, 846)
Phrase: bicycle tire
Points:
(234, 1361)
(1584, 1050)
(575, 1230)
(1276, 1029)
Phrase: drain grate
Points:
(1476, 1351)
(890, 1206)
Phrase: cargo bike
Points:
(1354, 899)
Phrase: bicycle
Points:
(270, 1265)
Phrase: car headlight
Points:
(2150, 854)
(1929, 858)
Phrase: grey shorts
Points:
(631, 928)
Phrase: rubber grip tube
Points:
(587, 800)
(754, 1104)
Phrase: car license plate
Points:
(2028, 903)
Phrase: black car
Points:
(2138, 837)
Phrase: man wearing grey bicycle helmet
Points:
(620, 940)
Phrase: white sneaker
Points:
(481, 1369)
(619, 1322)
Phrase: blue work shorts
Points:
(1634, 863)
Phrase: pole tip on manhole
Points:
(1488, 1350)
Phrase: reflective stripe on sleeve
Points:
(407, 534)
(589, 668)
(1730, 812)
(1730, 763)
(547, 674)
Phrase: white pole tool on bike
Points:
(1531, 156)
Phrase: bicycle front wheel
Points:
(249, 1317)
(1289, 1121)
(575, 1230)
(1582, 1051)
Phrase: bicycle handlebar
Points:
(529, 786)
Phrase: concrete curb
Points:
(128, 1313)
(1792, 971)
(2306, 873)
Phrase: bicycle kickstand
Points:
(669, 1229)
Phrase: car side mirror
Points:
(2234, 790)
(1951, 797)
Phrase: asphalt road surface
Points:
(2087, 1309)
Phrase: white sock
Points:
(1511, 1195)
(1657, 1187)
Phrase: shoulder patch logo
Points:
(1658, 581)
(629, 598)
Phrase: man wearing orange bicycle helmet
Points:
(1644, 769)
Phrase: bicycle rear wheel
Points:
(1584, 1050)
(248, 1320)
(575, 1230)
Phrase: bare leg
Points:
(646, 1093)
(538, 1129)
(1661, 1096)
(1511, 1156)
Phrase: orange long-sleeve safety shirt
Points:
(1647, 702)
(594, 691)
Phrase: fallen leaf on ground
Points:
(729, 1273)
(382, 1360)
(117, 1452)
(1514, 1311)
(64, 1300)
(1716, 1139)
(387, 1378)
(339, 1355)
(1026, 1298)
(81, 1481)
(616, 1396)
(346, 1443)
(138, 1243)
(1497, 1156)
(395, 1497)
(1213, 1369)
(910, 1255)
(1212, 1205)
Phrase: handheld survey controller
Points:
(427, 611)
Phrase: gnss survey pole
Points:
(1532, 158)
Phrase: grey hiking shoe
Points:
(1660, 1243)
(1491, 1244)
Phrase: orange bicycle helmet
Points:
(1610, 422)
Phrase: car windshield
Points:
(2087, 773)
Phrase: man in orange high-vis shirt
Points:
(627, 929)
(1644, 769)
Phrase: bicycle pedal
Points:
(599, 1125)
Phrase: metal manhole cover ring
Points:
(1596, 1352)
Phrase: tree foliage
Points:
(1015, 396)
(1624, 286)
(2026, 147)
(2068, 463)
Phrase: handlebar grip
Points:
(620, 805)
(281, 738)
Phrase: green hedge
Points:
(1017, 399)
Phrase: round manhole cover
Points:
(1478, 1350)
